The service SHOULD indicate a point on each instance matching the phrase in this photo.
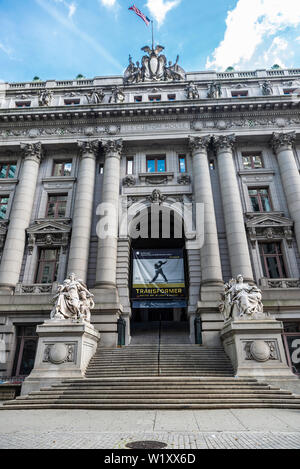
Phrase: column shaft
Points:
(283, 147)
(83, 210)
(20, 217)
(210, 253)
(233, 212)
(108, 245)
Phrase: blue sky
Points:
(58, 39)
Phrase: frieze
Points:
(155, 126)
(59, 131)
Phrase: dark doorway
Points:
(27, 340)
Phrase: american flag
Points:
(140, 14)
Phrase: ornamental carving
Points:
(214, 90)
(129, 181)
(45, 98)
(241, 301)
(199, 143)
(59, 353)
(184, 180)
(261, 351)
(73, 301)
(224, 142)
(264, 227)
(112, 147)
(154, 67)
(32, 151)
(156, 197)
(267, 89)
(282, 140)
(192, 91)
(95, 96)
(3, 230)
(46, 233)
(87, 147)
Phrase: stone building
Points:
(158, 135)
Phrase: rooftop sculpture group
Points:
(154, 67)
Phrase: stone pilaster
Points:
(20, 215)
(282, 144)
(210, 254)
(108, 245)
(83, 209)
(233, 212)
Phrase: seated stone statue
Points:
(73, 301)
(241, 300)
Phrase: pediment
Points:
(49, 226)
(268, 220)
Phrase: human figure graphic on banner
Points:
(159, 271)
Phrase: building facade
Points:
(157, 136)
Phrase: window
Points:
(72, 102)
(47, 266)
(288, 91)
(172, 97)
(27, 340)
(56, 207)
(138, 99)
(212, 165)
(155, 99)
(156, 164)
(62, 168)
(101, 169)
(272, 260)
(182, 163)
(7, 170)
(239, 94)
(21, 104)
(252, 161)
(3, 206)
(129, 166)
(260, 200)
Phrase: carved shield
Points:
(154, 65)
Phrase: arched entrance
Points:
(159, 277)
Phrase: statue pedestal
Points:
(255, 348)
(64, 351)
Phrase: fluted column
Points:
(283, 147)
(210, 254)
(233, 212)
(83, 210)
(20, 216)
(108, 245)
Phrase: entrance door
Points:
(159, 326)
(26, 350)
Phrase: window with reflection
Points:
(56, 207)
(252, 161)
(182, 163)
(47, 266)
(129, 166)
(156, 164)
(272, 260)
(8, 170)
(260, 200)
(3, 206)
(62, 168)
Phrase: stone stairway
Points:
(158, 377)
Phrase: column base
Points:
(64, 352)
(255, 348)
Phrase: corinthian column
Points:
(20, 216)
(83, 210)
(233, 212)
(210, 254)
(283, 148)
(107, 245)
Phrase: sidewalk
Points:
(239, 428)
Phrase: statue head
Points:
(72, 277)
(240, 279)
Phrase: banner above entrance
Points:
(158, 274)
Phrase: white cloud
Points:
(7, 50)
(108, 3)
(159, 8)
(249, 25)
(70, 6)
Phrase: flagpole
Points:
(152, 35)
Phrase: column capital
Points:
(199, 143)
(283, 140)
(87, 147)
(32, 151)
(224, 142)
(113, 147)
